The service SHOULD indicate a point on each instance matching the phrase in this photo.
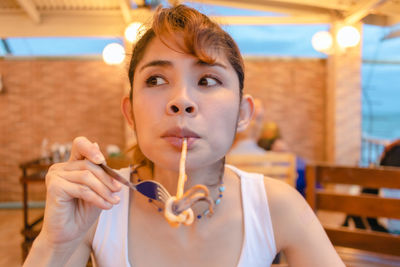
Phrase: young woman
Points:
(187, 76)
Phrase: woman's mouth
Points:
(175, 137)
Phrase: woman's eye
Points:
(209, 81)
(155, 81)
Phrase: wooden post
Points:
(343, 103)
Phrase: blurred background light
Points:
(322, 41)
(132, 32)
(113, 54)
(348, 36)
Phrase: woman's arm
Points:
(77, 191)
(82, 253)
(298, 232)
(43, 253)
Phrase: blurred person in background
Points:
(246, 141)
(271, 140)
(269, 134)
(391, 157)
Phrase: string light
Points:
(322, 41)
(113, 54)
(132, 32)
(348, 36)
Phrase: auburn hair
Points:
(202, 38)
(195, 34)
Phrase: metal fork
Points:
(149, 188)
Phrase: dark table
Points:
(32, 172)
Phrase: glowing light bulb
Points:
(322, 41)
(113, 54)
(132, 31)
(348, 36)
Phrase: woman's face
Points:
(176, 96)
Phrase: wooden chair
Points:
(362, 204)
(279, 165)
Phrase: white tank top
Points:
(110, 242)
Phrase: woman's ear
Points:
(245, 113)
(126, 108)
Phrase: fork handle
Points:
(117, 176)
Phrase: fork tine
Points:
(162, 191)
(161, 188)
(162, 199)
(162, 194)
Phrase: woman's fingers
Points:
(88, 182)
(82, 148)
(84, 192)
(82, 178)
(98, 172)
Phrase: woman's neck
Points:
(209, 176)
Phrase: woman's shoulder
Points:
(283, 198)
(297, 230)
(289, 210)
(280, 192)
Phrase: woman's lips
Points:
(178, 141)
(175, 137)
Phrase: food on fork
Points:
(178, 208)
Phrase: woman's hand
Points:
(77, 191)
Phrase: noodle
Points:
(178, 208)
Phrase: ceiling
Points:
(38, 18)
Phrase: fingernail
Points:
(99, 159)
(116, 184)
(108, 205)
(97, 145)
(116, 198)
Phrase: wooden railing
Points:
(361, 205)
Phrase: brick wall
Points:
(293, 94)
(57, 100)
(62, 99)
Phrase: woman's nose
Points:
(181, 104)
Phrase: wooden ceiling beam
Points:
(377, 20)
(69, 23)
(175, 2)
(261, 20)
(125, 10)
(268, 6)
(382, 20)
(389, 9)
(394, 20)
(139, 3)
(332, 5)
(111, 24)
(362, 9)
(29, 7)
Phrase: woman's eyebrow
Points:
(203, 63)
(161, 63)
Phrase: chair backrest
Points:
(279, 165)
(362, 204)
